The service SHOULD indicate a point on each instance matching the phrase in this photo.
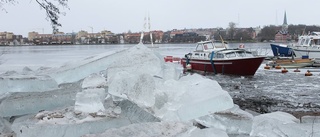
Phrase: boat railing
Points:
(260, 51)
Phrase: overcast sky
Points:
(122, 15)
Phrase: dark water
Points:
(269, 91)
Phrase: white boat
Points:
(308, 46)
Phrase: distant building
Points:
(58, 38)
(157, 36)
(8, 38)
(187, 37)
(175, 32)
(257, 30)
(132, 38)
(283, 36)
(61, 38)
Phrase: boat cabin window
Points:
(230, 55)
(199, 47)
(208, 45)
(204, 46)
(307, 41)
(302, 42)
(250, 54)
(218, 55)
(241, 53)
(316, 41)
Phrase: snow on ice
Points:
(130, 93)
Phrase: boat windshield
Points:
(204, 46)
(301, 42)
(230, 55)
(219, 55)
(241, 53)
(316, 42)
(307, 41)
(244, 54)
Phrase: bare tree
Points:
(52, 9)
(231, 30)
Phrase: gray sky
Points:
(122, 15)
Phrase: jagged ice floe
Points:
(130, 93)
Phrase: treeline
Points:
(268, 32)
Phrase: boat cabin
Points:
(311, 40)
(232, 53)
(220, 50)
(209, 46)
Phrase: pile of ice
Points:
(134, 93)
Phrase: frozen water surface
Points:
(144, 89)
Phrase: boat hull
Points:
(292, 63)
(243, 66)
(307, 52)
(282, 51)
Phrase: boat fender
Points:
(284, 70)
(188, 67)
(267, 66)
(308, 73)
(278, 67)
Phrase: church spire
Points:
(285, 24)
(285, 18)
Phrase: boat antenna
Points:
(222, 40)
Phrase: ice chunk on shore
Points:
(137, 60)
(161, 129)
(206, 132)
(137, 88)
(26, 83)
(69, 123)
(92, 97)
(144, 81)
(195, 96)
(21, 103)
(5, 127)
(90, 100)
(28, 128)
(271, 124)
(94, 81)
(156, 129)
(203, 96)
(73, 72)
(233, 121)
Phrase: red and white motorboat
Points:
(216, 57)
